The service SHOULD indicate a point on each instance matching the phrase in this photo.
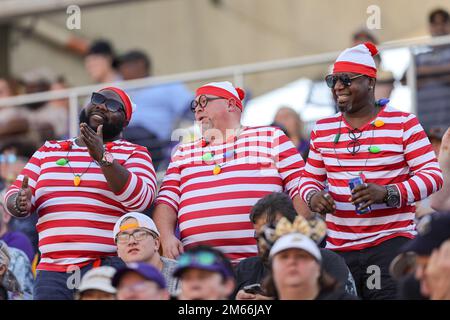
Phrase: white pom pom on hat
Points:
(223, 89)
(358, 59)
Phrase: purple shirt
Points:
(20, 241)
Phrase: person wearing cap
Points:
(388, 151)
(79, 188)
(96, 285)
(440, 201)
(137, 240)
(205, 273)
(265, 216)
(99, 62)
(212, 183)
(297, 273)
(140, 281)
(432, 256)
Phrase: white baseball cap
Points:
(143, 221)
(296, 241)
(98, 279)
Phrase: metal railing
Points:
(236, 72)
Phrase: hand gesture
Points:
(93, 140)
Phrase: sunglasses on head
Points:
(111, 104)
(345, 79)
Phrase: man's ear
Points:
(126, 123)
(231, 105)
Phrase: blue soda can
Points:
(353, 183)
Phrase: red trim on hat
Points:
(219, 92)
(125, 99)
(346, 66)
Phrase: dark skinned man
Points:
(79, 189)
(387, 154)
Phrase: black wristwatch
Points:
(392, 198)
(106, 160)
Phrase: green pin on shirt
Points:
(374, 149)
(62, 162)
(336, 138)
(207, 156)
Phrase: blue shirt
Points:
(160, 107)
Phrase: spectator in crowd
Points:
(140, 281)
(385, 84)
(265, 215)
(294, 125)
(440, 201)
(96, 285)
(15, 273)
(205, 274)
(79, 189)
(12, 118)
(432, 261)
(396, 167)
(297, 274)
(433, 75)
(100, 62)
(13, 239)
(212, 183)
(137, 240)
(162, 108)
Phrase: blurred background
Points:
(54, 54)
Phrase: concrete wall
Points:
(187, 35)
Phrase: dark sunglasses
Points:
(345, 79)
(202, 101)
(111, 104)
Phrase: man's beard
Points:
(110, 130)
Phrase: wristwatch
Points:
(392, 198)
(106, 160)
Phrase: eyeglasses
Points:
(137, 235)
(345, 79)
(111, 104)
(354, 144)
(202, 101)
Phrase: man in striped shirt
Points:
(79, 189)
(211, 184)
(385, 147)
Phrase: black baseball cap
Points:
(433, 229)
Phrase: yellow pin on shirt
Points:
(378, 123)
(217, 170)
(76, 180)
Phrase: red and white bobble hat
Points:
(358, 59)
(130, 107)
(223, 89)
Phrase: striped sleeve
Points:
(32, 169)
(288, 162)
(139, 191)
(426, 176)
(314, 175)
(170, 192)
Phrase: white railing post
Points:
(73, 114)
(411, 81)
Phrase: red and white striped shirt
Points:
(406, 160)
(76, 222)
(214, 209)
